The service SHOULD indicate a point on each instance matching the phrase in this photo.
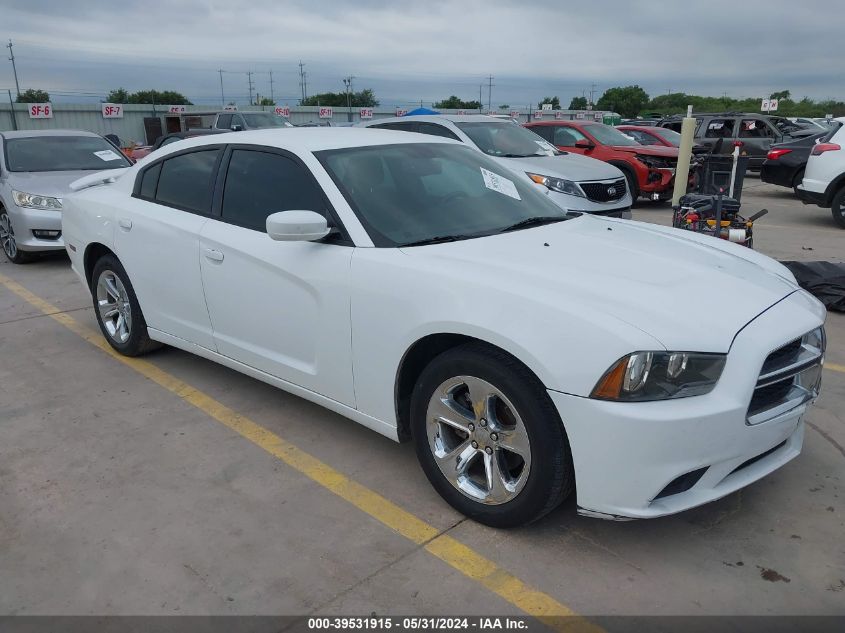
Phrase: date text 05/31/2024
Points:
(417, 623)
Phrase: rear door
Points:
(756, 136)
(716, 129)
(280, 307)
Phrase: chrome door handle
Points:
(125, 224)
(213, 254)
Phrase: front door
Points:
(280, 307)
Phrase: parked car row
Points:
(823, 182)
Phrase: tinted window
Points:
(260, 183)
(169, 140)
(403, 127)
(186, 181)
(224, 121)
(720, 128)
(433, 129)
(567, 136)
(149, 181)
(546, 132)
(62, 153)
(263, 120)
(640, 137)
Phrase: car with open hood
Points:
(421, 288)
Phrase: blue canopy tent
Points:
(419, 111)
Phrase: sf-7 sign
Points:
(112, 111)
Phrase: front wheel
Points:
(8, 241)
(489, 438)
(633, 186)
(837, 208)
(118, 312)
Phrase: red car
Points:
(650, 170)
(646, 135)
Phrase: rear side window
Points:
(149, 182)
(567, 136)
(186, 181)
(260, 183)
(432, 129)
(224, 121)
(720, 128)
(755, 128)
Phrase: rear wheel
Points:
(8, 241)
(837, 208)
(489, 438)
(118, 312)
(796, 180)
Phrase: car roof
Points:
(36, 133)
(440, 118)
(311, 139)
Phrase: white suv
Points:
(824, 177)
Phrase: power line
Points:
(251, 87)
(302, 81)
(14, 68)
(222, 97)
(490, 93)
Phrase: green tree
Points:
(266, 101)
(578, 103)
(504, 106)
(164, 97)
(555, 101)
(33, 95)
(783, 94)
(119, 95)
(454, 103)
(626, 100)
(361, 99)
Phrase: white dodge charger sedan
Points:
(414, 285)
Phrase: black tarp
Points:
(825, 280)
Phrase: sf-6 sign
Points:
(325, 112)
(41, 110)
(112, 111)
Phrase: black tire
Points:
(796, 180)
(138, 342)
(633, 186)
(837, 208)
(550, 478)
(9, 246)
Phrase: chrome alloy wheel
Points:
(114, 307)
(7, 236)
(478, 440)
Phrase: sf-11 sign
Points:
(112, 111)
(41, 110)
(365, 113)
(325, 112)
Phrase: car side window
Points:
(186, 181)
(433, 129)
(567, 136)
(547, 132)
(402, 127)
(261, 183)
(224, 121)
(640, 137)
(754, 128)
(149, 182)
(720, 128)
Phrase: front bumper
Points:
(616, 209)
(25, 221)
(626, 455)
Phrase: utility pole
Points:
(222, 97)
(490, 93)
(592, 92)
(302, 81)
(480, 98)
(12, 111)
(348, 83)
(14, 68)
(249, 79)
(272, 95)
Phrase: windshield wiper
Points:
(438, 239)
(538, 221)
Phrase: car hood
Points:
(689, 294)
(649, 150)
(48, 183)
(568, 166)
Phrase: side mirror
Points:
(297, 226)
(584, 144)
(237, 128)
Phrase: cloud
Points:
(428, 50)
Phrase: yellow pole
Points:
(684, 156)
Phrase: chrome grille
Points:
(604, 191)
(790, 376)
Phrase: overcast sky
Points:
(407, 51)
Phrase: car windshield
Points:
(427, 192)
(506, 140)
(62, 153)
(670, 136)
(607, 135)
(263, 120)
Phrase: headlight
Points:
(557, 184)
(643, 376)
(34, 201)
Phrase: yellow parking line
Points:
(449, 550)
(835, 367)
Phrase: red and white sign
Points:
(176, 109)
(283, 111)
(325, 112)
(462, 112)
(41, 110)
(514, 114)
(365, 113)
(598, 116)
(579, 115)
(769, 105)
(112, 111)
(538, 114)
(401, 112)
(558, 115)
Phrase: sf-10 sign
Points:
(366, 113)
(41, 110)
(112, 111)
(285, 112)
(325, 112)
